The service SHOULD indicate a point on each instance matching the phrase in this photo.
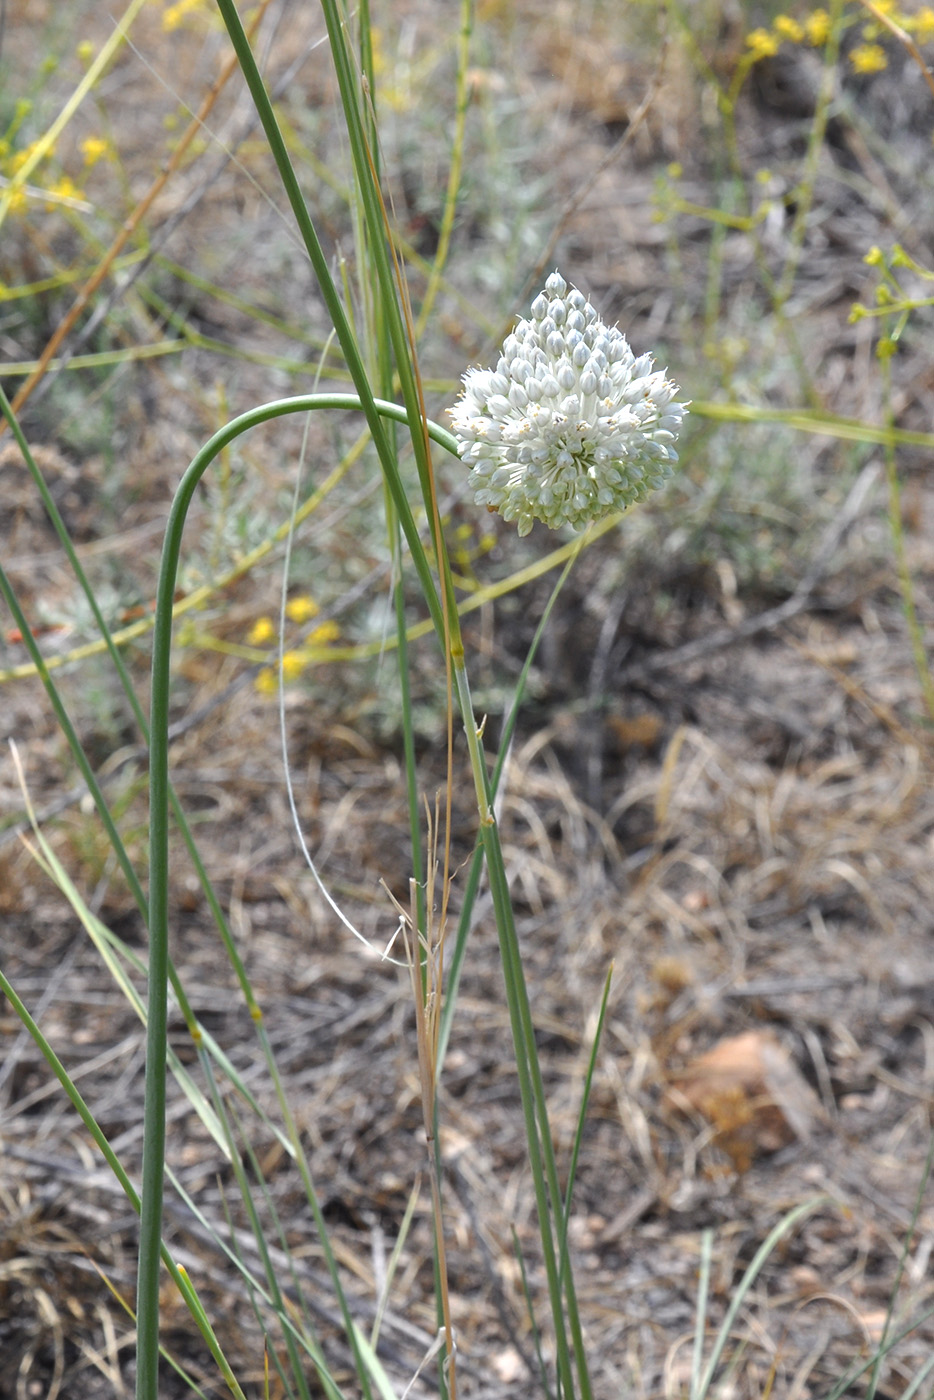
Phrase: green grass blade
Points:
(74, 742)
(182, 1280)
(582, 1117)
(154, 1108)
(329, 292)
(700, 1319)
(472, 883)
(910, 1236)
(533, 1321)
(778, 1232)
(919, 1380)
(455, 166)
(234, 1135)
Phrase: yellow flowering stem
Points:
(903, 37)
(195, 128)
(47, 140)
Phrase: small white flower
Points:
(570, 426)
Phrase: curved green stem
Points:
(154, 1134)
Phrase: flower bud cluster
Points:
(569, 426)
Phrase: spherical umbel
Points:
(570, 426)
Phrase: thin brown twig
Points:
(424, 954)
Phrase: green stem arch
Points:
(154, 1131)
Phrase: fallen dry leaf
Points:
(750, 1091)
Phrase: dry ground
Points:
(721, 786)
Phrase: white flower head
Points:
(570, 425)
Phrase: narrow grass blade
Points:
(181, 1278)
(564, 1260)
(700, 1317)
(784, 1227)
(533, 1321)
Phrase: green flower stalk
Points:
(570, 426)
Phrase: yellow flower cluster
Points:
(23, 186)
(183, 12)
(814, 29)
(868, 58)
(295, 661)
(95, 148)
(11, 163)
(16, 200)
(62, 191)
(301, 609)
(262, 631)
(893, 302)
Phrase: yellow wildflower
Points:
(326, 632)
(868, 58)
(817, 27)
(762, 44)
(176, 14)
(301, 608)
(19, 158)
(875, 257)
(788, 28)
(94, 148)
(378, 47)
(267, 682)
(293, 664)
(63, 191)
(923, 24)
(263, 630)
